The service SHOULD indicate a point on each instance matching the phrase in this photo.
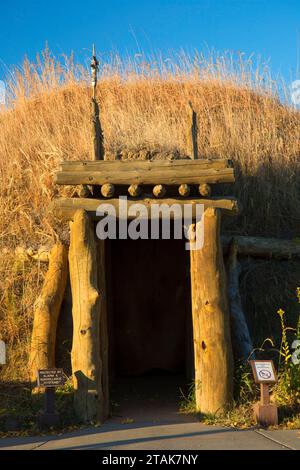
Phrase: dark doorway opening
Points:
(150, 326)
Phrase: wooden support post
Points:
(212, 342)
(47, 309)
(192, 134)
(86, 358)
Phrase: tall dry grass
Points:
(144, 104)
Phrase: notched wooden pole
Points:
(211, 329)
(86, 295)
(47, 310)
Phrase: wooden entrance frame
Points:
(210, 311)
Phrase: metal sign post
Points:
(266, 414)
(49, 379)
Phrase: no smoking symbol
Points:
(264, 374)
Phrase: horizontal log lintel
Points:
(66, 208)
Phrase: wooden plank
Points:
(66, 208)
(152, 176)
(128, 165)
(212, 343)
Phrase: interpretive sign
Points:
(50, 378)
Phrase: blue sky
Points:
(269, 28)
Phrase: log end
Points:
(205, 190)
(134, 190)
(159, 190)
(107, 190)
(184, 190)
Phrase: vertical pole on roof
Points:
(98, 147)
(192, 133)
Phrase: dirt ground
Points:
(153, 397)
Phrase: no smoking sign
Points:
(263, 371)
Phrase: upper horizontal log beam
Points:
(66, 208)
(134, 172)
(168, 177)
(117, 165)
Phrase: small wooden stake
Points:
(98, 147)
(192, 134)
